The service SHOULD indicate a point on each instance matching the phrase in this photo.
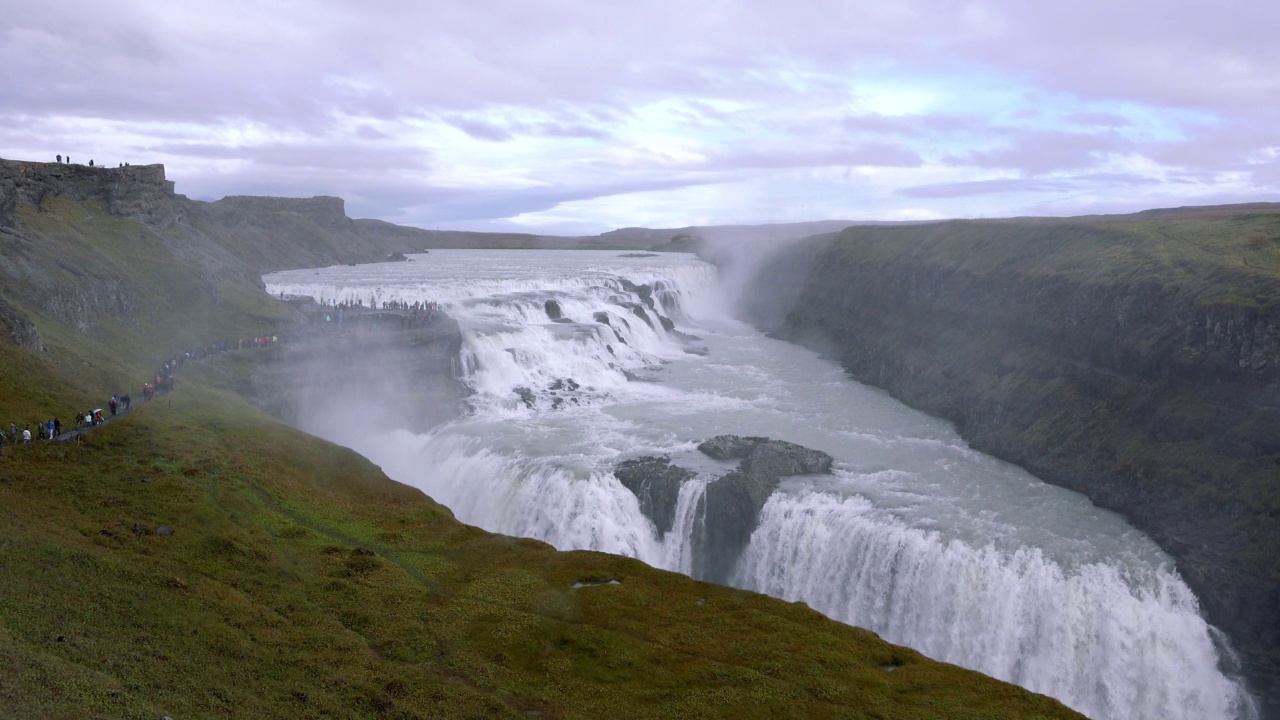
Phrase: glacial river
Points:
(915, 535)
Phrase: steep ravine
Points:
(1134, 359)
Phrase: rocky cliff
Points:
(1135, 359)
(138, 190)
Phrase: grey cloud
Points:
(503, 130)
(983, 187)
(1039, 152)
(909, 125)
(1224, 147)
(335, 156)
(1025, 185)
(479, 129)
(368, 132)
(1267, 174)
(449, 205)
(876, 154)
(1099, 119)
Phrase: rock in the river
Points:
(730, 447)
(526, 396)
(644, 291)
(638, 310)
(553, 309)
(656, 483)
(731, 505)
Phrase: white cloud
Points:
(501, 111)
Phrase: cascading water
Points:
(914, 536)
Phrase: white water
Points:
(915, 536)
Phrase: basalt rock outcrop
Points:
(730, 506)
(136, 191)
(1135, 359)
(656, 484)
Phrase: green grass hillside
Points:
(196, 558)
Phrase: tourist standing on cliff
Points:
(59, 159)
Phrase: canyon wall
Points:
(1134, 359)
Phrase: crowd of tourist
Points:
(163, 381)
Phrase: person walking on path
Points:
(26, 435)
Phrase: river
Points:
(914, 536)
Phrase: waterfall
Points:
(916, 536)
(1110, 646)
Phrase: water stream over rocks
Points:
(580, 361)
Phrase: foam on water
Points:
(915, 535)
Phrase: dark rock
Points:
(397, 257)
(644, 291)
(553, 310)
(164, 530)
(601, 317)
(639, 312)
(656, 484)
(363, 551)
(729, 447)
(557, 403)
(701, 350)
(731, 505)
(526, 396)
(667, 323)
(632, 377)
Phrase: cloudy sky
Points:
(584, 115)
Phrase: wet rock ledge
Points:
(730, 507)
